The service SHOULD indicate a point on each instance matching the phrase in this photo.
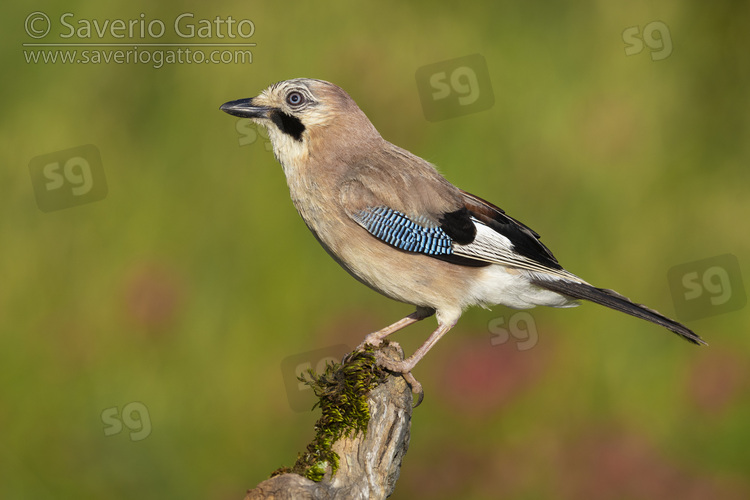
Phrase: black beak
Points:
(244, 108)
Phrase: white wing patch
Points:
(491, 246)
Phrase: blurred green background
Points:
(177, 297)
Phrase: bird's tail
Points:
(614, 300)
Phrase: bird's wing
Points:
(427, 222)
(397, 179)
(478, 233)
(416, 210)
(402, 200)
(501, 239)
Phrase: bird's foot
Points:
(404, 368)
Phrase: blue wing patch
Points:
(398, 230)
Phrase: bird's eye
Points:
(295, 98)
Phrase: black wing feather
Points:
(524, 239)
(459, 226)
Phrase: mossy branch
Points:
(342, 392)
(360, 438)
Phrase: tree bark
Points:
(370, 463)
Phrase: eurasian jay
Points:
(398, 226)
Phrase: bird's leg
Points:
(376, 338)
(405, 367)
(408, 364)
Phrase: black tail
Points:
(614, 300)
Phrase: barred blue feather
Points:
(398, 230)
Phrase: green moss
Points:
(342, 391)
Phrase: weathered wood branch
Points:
(369, 463)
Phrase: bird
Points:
(397, 225)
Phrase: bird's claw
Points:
(401, 367)
(404, 369)
(416, 388)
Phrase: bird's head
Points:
(305, 116)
